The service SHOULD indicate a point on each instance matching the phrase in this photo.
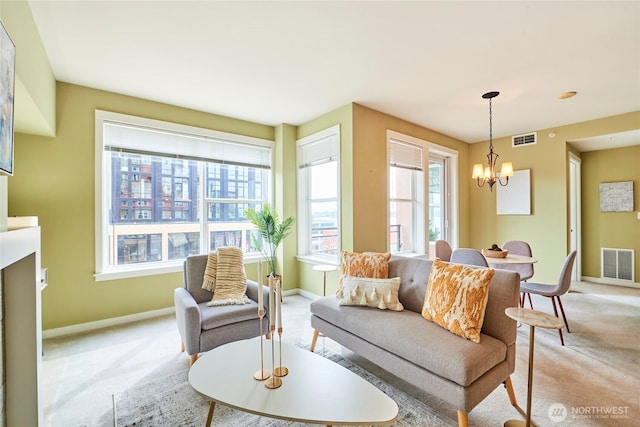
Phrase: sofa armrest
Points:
(188, 320)
(504, 292)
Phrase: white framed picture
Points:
(616, 196)
(515, 198)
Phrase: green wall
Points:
(55, 181)
(609, 229)
(286, 201)
(309, 279)
(363, 182)
(370, 174)
(35, 84)
(546, 229)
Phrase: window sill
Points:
(315, 260)
(138, 272)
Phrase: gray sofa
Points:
(203, 328)
(422, 353)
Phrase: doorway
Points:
(575, 214)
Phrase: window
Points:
(318, 207)
(166, 191)
(437, 198)
(420, 208)
(406, 196)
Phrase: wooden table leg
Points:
(212, 407)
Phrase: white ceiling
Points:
(426, 62)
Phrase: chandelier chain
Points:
(490, 126)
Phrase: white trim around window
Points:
(318, 160)
(411, 153)
(189, 149)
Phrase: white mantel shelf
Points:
(20, 267)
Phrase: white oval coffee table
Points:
(316, 390)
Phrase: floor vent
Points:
(617, 264)
(525, 139)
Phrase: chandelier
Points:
(487, 174)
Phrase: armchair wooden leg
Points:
(192, 359)
(182, 347)
(314, 340)
(512, 396)
(463, 419)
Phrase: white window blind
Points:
(316, 151)
(152, 141)
(405, 155)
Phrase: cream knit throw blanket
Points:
(224, 275)
(209, 280)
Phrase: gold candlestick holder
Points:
(280, 371)
(262, 374)
(273, 381)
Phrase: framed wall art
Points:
(616, 196)
(515, 198)
(7, 88)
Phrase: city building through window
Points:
(166, 191)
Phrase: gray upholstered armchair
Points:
(202, 327)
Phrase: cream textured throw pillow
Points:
(379, 293)
(456, 298)
(231, 280)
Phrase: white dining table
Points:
(511, 259)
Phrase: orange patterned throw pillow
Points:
(372, 265)
(456, 298)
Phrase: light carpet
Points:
(170, 401)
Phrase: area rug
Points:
(170, 401)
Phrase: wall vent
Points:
(617, 264)
(524, 139)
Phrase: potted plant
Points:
(271, 230)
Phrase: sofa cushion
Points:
(407, 335)
(378, 293)
(413, 273)
(214, 317)
(369, 264)
(456, 298)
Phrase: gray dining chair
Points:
(519, 247)
(552, 291)
(468, 256)
(443, 250)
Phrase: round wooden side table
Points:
(325, 269)
(534, 319)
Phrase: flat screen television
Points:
(7, 88)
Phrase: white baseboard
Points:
(307, 294)
(99, 324)
(114, 321)
(605, 281)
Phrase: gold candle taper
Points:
(280, 371)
